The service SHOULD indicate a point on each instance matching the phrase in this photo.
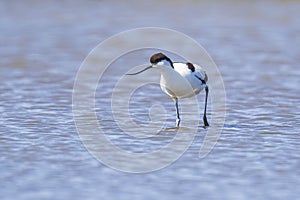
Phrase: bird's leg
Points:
(204, 116)
(177, 113)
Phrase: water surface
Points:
(256, 47)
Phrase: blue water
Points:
(255, 45)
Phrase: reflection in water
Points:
(255, 45)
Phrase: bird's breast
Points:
(178, 86)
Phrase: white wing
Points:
(195, 70)
(200, 73)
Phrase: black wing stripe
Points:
(203, 81)
(191, 66)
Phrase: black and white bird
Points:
(179, 80)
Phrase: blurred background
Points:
(254, 43)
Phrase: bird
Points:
(179, 80)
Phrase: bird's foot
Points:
(205, 122)
(204, 126)
(177, 123)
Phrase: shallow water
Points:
(256, 47)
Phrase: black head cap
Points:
(159, 57)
